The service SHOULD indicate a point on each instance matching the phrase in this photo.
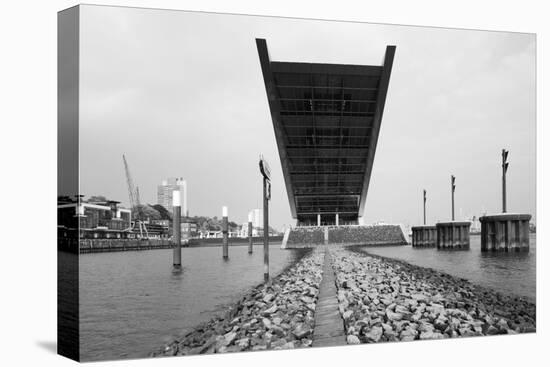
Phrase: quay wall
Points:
(115, 245)
(206, 242)
(303, 237)
(87, 246)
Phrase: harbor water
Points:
(131, 303)
(511, 273)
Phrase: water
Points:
(510, 273)
(131, 303)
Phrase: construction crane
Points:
(135, 203)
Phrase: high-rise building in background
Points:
(164, 193)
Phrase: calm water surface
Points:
(131, 303)
(511, 273)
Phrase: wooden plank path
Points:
(329, 326)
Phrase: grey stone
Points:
(374, 334)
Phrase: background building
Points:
(164, 194)
(94, 220)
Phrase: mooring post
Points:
(250, 241)
(504, 169)
(225, 233)
(424, 207)
(266, 230)
(453, 186)
(176, 224)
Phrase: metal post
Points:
(424, 207)
(225, 233)
(266, 232)
(453, 197)
(176, 224)
(337, 220)
(504, 169)
(318, 220)
(250, 233)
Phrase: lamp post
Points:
(266, 174)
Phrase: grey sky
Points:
(182, 94)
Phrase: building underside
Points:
(326, 119)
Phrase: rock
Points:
(301, 331)
(352, 339)
(289, 345)
(230, 337)
(419, 297)
(394, 316)
(502, 324)
(278, 344)
(347, 314)
(430, 335)
(374, 334)
(387, 327)
(277, 330)
(401, 309)
(270, 310)
(491, 330)
(440, 323)
(408, 334)
(425, 327)
(277, 320)
(268, 298)
(266, 322)
(243, 343)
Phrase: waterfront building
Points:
(94, 220)
(164, 194)
(189, 229)
(326, 119)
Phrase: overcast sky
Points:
(182, 94)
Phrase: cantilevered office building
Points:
(326, 119)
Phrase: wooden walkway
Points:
(329, 326)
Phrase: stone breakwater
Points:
(387, 300)
(274, 315)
